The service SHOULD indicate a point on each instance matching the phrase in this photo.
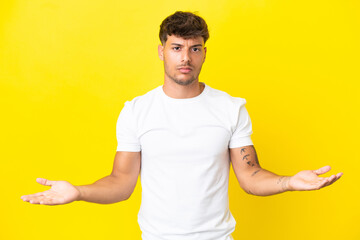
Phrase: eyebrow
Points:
(178, 44)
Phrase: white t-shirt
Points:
(185, 161)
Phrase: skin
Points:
(116, 187)
(261, 182)
(179, 54)
(183, 60)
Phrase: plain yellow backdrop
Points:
(67, 67)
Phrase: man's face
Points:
(183, 59)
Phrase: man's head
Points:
(183, 36)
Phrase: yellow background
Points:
(67, 67)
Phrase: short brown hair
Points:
(183, 24)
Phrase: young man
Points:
(183, 136)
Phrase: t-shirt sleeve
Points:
(242, 134)
(126, 130)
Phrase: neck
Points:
(175, 90)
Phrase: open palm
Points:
(309, 179)
(61, 192)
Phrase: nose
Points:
(186, 57)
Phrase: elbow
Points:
(249, 192)
(246, 189)
(254, 192)
(245, 186)
(126, 195)
(257, 193)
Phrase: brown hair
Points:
(183, 24)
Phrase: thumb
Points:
(44, 181)
(322, 170)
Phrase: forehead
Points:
(182, 41)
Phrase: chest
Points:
(179, 130)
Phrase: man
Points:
(183, 136)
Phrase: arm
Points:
(258, 181)
(118, 186)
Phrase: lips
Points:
(185, 70)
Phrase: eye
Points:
(176, 48)
(196, 49)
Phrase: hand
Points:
(61, 192)
(309, 180)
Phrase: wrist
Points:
(287, 186)
(283, 181)
(80, 193)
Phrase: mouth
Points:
(185, 69)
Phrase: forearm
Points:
(109, 189)
(262, 182)
(258, 181)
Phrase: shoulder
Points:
(223, 98)
(142, 101)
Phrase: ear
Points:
(161, 52)
(205, 49)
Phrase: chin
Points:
(184, 82)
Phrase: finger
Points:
(27, 197)
(44, 181)
(41, 200)
(33, 198)
(330, 180)
(50, 201)
(322, 170)
(36, 200)
(47, 201)
(319, 183)
(337, 176)
(323, 183)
